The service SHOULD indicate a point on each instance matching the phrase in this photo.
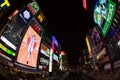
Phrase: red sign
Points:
(84, 4)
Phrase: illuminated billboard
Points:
(54, 45)
(103, 14)
(29, 48)
(33, 7)
(45, 50)
(55, 57)
(84, 4)
(44, 61)
(26, 15)
(53, 50)
(13, 14)
(96, 39)
(88, 46)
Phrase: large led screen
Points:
(29, 48)
(103, 14)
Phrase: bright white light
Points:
(26, 14)
(8, 42)
(50, 61)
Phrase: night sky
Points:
(69, 22)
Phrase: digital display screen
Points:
(29, 48)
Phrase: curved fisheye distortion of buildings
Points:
(59, 40)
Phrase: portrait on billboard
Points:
(100, 12)
(29, 48)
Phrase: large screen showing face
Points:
(29, 48)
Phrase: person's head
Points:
(99, 5)
(33, 36)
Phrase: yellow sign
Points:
(40, 18)
(88, 45)
(4, 4)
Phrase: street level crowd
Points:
(104, 74)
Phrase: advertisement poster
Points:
(100, 12)
(103, 15)
(29, 48)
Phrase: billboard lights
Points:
(7, 50)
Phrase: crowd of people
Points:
(104, 74)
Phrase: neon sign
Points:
(7, 50)
(110, 15)
(84, 4)
(4, 4)
(33, 7)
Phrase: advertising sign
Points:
(33, 7)
(55, 57)
(109, 18)
(44, 61)
(45, 50)
(103, 15)
(54, 45)
(84, 4)
(26, 15)
(13, 14)
(12, 32)
(4, 4)
(29, 48)
(88, 46)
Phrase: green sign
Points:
(8, 51)
(109, 19)
(33, 7)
